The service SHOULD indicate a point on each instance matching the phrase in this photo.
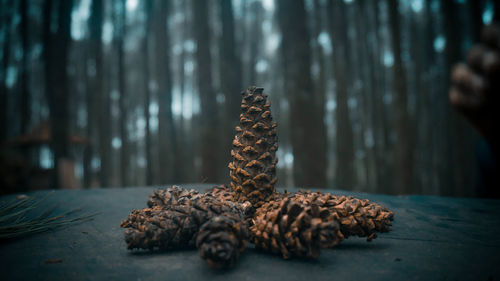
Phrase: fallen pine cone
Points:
(221, 240)
(356, 217)
(292, 228)
(176, 225)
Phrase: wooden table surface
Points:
(432, 238)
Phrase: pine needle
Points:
(18, 219)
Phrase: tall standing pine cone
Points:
(253, 165)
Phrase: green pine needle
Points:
(16, 222)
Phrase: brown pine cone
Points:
(223, 192)
(253, 165)
(221, 240)
(160, 228)
(170, 196)
(176, 225)
(356, 217)
(291, 228)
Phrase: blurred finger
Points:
(460, 100)
(467, 89)
(475, 57)
(491, 65)
(491, 36)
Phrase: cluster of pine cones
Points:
(220, 221)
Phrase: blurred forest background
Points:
(134, 93)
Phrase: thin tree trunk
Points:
(308, 135)
(320, 87)
(459, 130)
(475, 9)
(404, 143)
(381, 130)
(185, 159)
(368, 140)
(496, 11)
(56, 87)
(6, 19)
(210, 146)
(123, 100)
(100, 98)
(416, 48)
(428, 107)
(25, 92)
(230, 75)
(147, 93)
(255, 35)
(166, 131)
(90, 129)
(342, 71)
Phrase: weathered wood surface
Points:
(433, 238)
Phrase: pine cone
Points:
(160, 228)
(170, 196)
(221, 240)
(224, 193)
(291, 228)
(253, 165)
(176, 225)
(356, 217)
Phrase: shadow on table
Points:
(156, 252)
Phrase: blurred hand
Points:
(475, 85)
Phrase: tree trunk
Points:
(254, 37)
(460, 132)
(6, 20)
(184, 143)
(88, 152)
(230, 75)
(416, 48)
(100, 99)
(308, 134)
(381, 130)
(25, 92)
(123, 100)
(475, 11)
(404, 143)
(320, 83)
(342, 71)
(148, 6)
(496, 11)
(209, 132)
(368, 140)
(169, 171)
(56, 47)
(430, 183)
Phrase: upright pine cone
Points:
(356, 217)
(221, 240)
(291, 228)
(176, 224)
(253, 165)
